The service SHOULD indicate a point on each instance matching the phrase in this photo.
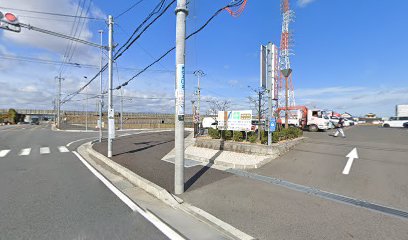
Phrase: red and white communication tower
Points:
(285, 49)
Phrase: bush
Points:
(214, 133)
(252, 138)
(286, 134)
(227, 135)
(264, 137)
(238, 137)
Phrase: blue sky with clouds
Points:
(350, 56)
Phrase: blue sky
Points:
(350, 56)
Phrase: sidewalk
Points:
(260, 209)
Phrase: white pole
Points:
(111, 113)
(181, 14)
(101, 90)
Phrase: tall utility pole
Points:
(86, 107)
(181, 14)
(58, 122)
(111, 112)
(199, 74)
(121, 108)
(101, 91)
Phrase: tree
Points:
(218, 105)
(12, 115)
(259, 102)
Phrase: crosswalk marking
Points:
(25, 152)
(3, 153)
(45, 150)
(63, 149)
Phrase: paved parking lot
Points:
(378, 175)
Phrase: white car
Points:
(335, 120)
(395, 122)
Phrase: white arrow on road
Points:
(351, 156)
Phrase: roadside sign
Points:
(235, 120)
(272, 125)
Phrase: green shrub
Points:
(286, 134)
(252, 138)
(264, 137)
(214, 133)
(227, 135)
(238, 137)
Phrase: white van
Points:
(395, 122)
(209, 122)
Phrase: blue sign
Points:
(272, 125)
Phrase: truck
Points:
(401, 110)
(311, 120)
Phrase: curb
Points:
(168, 198)
(270, 157)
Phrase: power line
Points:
(130, 8)
(131, 41)
(53, 14)
(233, 4)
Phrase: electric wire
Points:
(233, 4)
(53, 14)
(130, 8)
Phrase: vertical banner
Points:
(180, 89)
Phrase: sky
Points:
(349, 56)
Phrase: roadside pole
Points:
(58, 122)
(121, 108)
(111, 113)
(199, 74)
(181, 14)
(270, 86)
(101, 91)
(286, 73)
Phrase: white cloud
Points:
(304, 3)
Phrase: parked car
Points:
(209, 122)
(405, 125)
(395, 122)
(335, 120)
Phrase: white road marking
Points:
(146, 214)
(69, 144)
(63, 149)
(44, 150)
(351, 156)
(3, 153)
(25, 152)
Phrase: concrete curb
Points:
(277, 151)
(168, 198)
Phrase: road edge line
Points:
(158, 223)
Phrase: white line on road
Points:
(45, 150)
(3, 153)
(351, 156)
(150, 217)
(63, 149)
(69, 144)
(25, 152)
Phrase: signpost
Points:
(272, 125)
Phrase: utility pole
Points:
(272, 63)
(181, 14)
(199, 74)
(121, 108)
(101, 90)
(86, 107)
(111, 112)
(58, 122)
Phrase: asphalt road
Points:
(46, 192)
(269, 211)
(379, 175)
